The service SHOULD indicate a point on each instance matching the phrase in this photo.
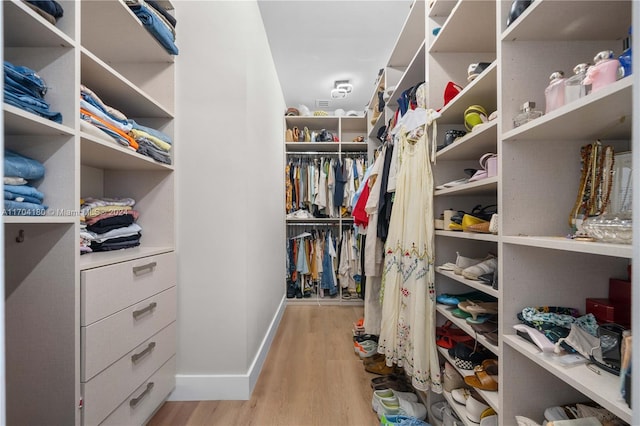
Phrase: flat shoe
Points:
(484, 377)
(478, 308)
(380, 368)
(485, 267)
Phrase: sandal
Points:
(478, 308)
(447, 336)
(485, 376)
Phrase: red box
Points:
(602, 309)
(620, 291)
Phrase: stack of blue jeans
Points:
(21, 198)
(25, 89)
(157, 21)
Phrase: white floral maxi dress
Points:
(407, 337)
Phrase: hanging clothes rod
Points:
(313, 223)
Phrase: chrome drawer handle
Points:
(135, 401)
(149, 348)
(142, 311)
(148, 267)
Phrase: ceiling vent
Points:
(323, 103)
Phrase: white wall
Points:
(230, 232)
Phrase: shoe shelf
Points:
(461, 323)
(467, 235)
(481, 91)
(611, 105)
(546, 20)
(473, 145)
(476, 18)
(480, 187)
(478, 285)
(20, 122)
(461, 410)
(603, 388)
(491, 397)
(566, 244)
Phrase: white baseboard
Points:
(215, 387)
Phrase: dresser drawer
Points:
(107, 340)
(108, 289)
(107, 390)
(141, 404)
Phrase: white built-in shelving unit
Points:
(73, 353)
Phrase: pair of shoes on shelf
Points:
(485, 376)
(479, 311)
(486, 266)
(388, 402)
(477, 408)
(454, 299)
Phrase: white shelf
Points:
(491, 397)
(480, 187)
(116, 23)
(47, 220)
(461, 323)
(441, 8)
(547, 20)
(481, 91)
(603, 389)
(411, 35)
(473, 145)
(353, 147)
(478, 285)
(467, 235)
(303, 147)
(329, 220)
(108, 154)
(115, 90)
(20, 122)
(98, 259)
(28, 29)
(314, 123)
(611, 106)
(413, 74)
(566, 244)
(471, 27)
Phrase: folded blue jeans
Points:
(27, 103)
(20, 166)
(156, 27)
(25, 77)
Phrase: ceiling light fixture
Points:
(341, 88)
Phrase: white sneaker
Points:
(463, 263)
(487, 266)
(391, 399)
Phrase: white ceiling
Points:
(316, 42)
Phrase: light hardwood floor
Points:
(311, 377)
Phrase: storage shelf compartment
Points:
(98, 259)
(107, 154)
(351, 127)
(480, 187)
(41, 220)
(478, 285)
(116, 91)
(611, 105)
(412, 75)
(410, 37)
(23, 27)
(20, 122)
(348, 148)
(128, 40)
(460, 323)
(603, 388)
(473, 145)
(491, 397)
(471, 27)
(547, 20)
(330, 123)
(481, 91)
(467, 235)
(563, 243)
(441, 8)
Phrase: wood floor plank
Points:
(311, 377)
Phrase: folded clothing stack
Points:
(108, 224)
(48, 9)
(151, 142)
(25, 89)
(21, 198)
(157, 21)
(145, 140)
